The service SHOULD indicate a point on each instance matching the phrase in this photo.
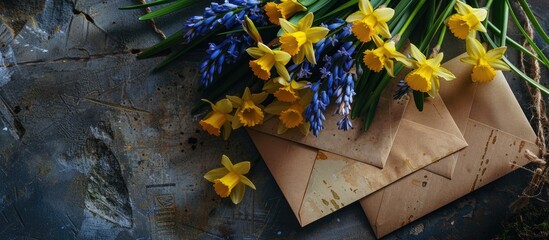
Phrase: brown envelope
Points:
(498, 135)
(317, 182)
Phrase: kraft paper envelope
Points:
(498, 135)
(317, 182)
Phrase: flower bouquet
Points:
(297, 59)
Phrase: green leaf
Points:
(161, 46)
(307, 3)
(419, 98)
(534, 21)
(168, 9)
(371, 115)
(155, 3)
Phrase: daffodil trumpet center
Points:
(272, 11)
(375, 59)
(213, 123)
(420, 79)
(250, 114)
(291, 42)
(483, 73)
(286, 94)
(462, 25)
(363, 30)
(292, 117)
(262, 66)
(225, 185)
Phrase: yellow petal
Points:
(435, 83)
(282, 57)
(299, 85)
(298, 58)
(224, 106)
(378, 41)
(227, 128)
(236, 124)
(276, 107)
(255, 52)
(499, 65)
(469, 60)
(365, 6)
(238, 193)
(226, 162)
(306, 22)
(444, 73)
(309, 52)
(304, 128)
(496, 53)
(247, 182)
(461, 7)
(383, 30)
(316, 34)
(437, 59)
(247, 94)
(480, 13)
(282, 71)
(264, 48)
(416, 54)
(215, 174)
(384, 14)
(281, 129)
(389, 66)
(236, 101)
(287, 26)
(474, 48)
(356, 16)
(242, 167)
(258, 98)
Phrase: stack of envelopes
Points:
(408, 163)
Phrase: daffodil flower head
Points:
(285, 9)
(484, 63)
(219, 117)
(248, 112)
(467, 20)
(229, 180)
(380, 57)
(426, 73)
(288, 90)
(368, 22)
(297, 40)
(266, 59)
(291, 115)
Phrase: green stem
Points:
(534, 21)
(519, 47)
(411, 17)
(528, 38)
(505, 22)
(441, 36)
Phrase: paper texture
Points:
(317, 182)
(498, 135)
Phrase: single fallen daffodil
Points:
(229, 180)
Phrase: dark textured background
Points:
(96, 146)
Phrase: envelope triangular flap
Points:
(371, 147)
(289, 163)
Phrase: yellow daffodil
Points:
(298, 40)
(380, 57)
(291, 115)
(248, 112)
(484, 63)
(266, 59)
(229, 180)
(285, 9)
(425, 77)
(285, 91)
(467, 20)
(368, 22)
(219, 117)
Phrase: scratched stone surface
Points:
(97, 146)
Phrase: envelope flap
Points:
(438, 120)
(370, 147)
(491, 109)
(289, 163)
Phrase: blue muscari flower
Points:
(315, 111)
(402, 90)
(228, 51)
(345, 123)
(222, 15)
